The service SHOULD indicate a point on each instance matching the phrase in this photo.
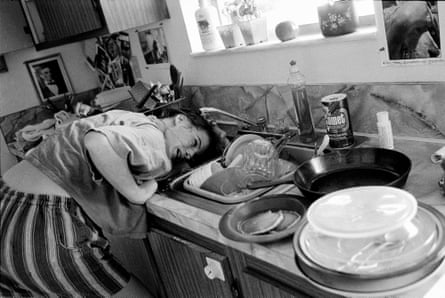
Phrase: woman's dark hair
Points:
(213, 150)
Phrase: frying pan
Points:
(346, 168)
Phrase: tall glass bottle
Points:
(207, 20)
(297, 84)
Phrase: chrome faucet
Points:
(207, 110)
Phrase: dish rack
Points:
(230, 199)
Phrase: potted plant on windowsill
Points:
(246, 14)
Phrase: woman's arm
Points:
(115, 169)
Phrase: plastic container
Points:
(360, 212)
(383, 254)
(384, 130)
(297, 84)
(231, 35)
(370, 239)
(207, 19)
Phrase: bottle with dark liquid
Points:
(297, 84)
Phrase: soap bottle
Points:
(207, 20)
(297, 84)
(384, 130)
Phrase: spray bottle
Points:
(384, 130)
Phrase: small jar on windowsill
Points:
(337, 17)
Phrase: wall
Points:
(328, 61)
(17, 90)
(16, 87)
(325, 62)
(415, 110)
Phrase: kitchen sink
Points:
(176, 189)
(295, 152)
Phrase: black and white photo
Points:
(49, 77)
(154, 46)
(410, 30)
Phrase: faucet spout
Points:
(207, 110)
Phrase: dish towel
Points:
(439, 157)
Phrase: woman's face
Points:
(184, 140)
(113, 49)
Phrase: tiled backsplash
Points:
(415, 110)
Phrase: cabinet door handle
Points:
(214, 269)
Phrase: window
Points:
(302, 13)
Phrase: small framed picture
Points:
(49, 77)
(154, 45)
(410, 32)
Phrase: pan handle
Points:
(261, 184)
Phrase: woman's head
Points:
(112, 47)
(189, 135)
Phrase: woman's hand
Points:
(115, 169)
(148, 187)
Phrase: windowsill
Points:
(362, 33)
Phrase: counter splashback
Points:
(415, 110)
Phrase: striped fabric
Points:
(49, 247)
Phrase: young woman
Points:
(92, 176)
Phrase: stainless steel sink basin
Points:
(177, 191)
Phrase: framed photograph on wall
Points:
(153, 45)
(49, 77)
(410, 32)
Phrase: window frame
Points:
(308, 34)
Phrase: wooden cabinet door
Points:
(12, 28)
(259, 279)
(257, 284)
(181, 265)
(57, 20)
(126, 14)
(135, 256)
(54, 23)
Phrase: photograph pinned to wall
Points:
(49, 77)
(154, 45)
(112, 61)
(410, 32)
(125, 45)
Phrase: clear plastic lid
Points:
(396, 233)
(400, 249)
(359, 212)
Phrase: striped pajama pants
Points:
(49, 247)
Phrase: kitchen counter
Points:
(422, 183)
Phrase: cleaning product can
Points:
(338, 121)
